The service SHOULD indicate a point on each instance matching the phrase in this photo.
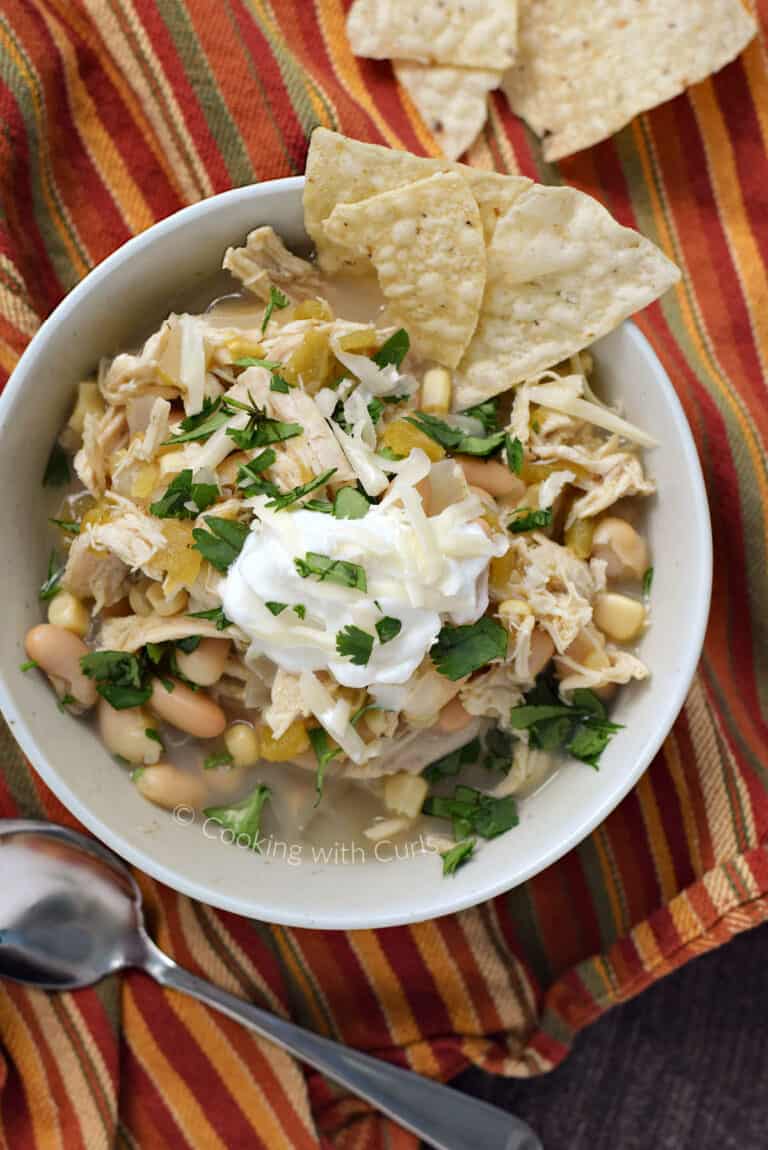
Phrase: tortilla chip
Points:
(452, 102)
(343, 171)
(561, 273)
(467, 33)
(584, 70)
(426, 242)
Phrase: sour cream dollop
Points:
(421, 571)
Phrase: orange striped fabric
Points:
(115, 113)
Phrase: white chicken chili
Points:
(306, 590)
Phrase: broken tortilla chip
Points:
(466, 33)
(452, 102)
(583, 70)
(426, 243)
(561, 273)
(344, 171)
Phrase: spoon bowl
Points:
(70, 913)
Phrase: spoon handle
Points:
(443, 1117)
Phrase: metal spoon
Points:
(70, 913)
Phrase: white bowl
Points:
(169, 266)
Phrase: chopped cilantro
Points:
(324, 752)
(453, 438)
(460, 650)
(222, 544)
(217, 759)
(499, 750)
(473, 812)
(249, 475)
(65, 701)
(30, 663)
(190, 644)
(300, 610)
(275, 608)
(56, 472)
(212, 416)
(180, 493)
(280, 502)
(332, 570)
(215, 615)
(458, 855)
(51, 585)
(354, 643)
(647, 581)
(151, 733)
(350, 504)
(452, 763)
(530, 519)
(355, 717)
(155, 652)
(514, 450)
(118, 676)
(379, 402)
(261, 430)
(580, 727)
(386, 452)
(69, 526)
(277, 383)
(388, 628)
(322, 506)
(243, 818)
(393, 350)
(276, 300)
(488, 414)
(252, 361)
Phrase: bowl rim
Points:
(338, 919)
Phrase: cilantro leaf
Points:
(249, 474)
(580, 727)
(350, 504)
(386, 452)
(215, 615)
(51, 585)
(222, 544)
(275, 608)
(243, 818)
(488, 414)
(118, 676)
(280, 502)
(28, 665)
(190, 644)
(647, 581)
(69, 526)
(182, 491)
(388, 628)
(393, 350)
(252, 361)
(472, 811)
(276, 300)
(57, 471)
(324, 752)
(530, 519)
(514, 451)
(453, 438)
(262, 430)
(458, 855)
(452, 763)
(300, 610)
(322, 506)
(354, 643)
(153, 734)
(499, 752)
(277, 383)
(217, 759)
(332, 570)
(460, 650)
(212, 416)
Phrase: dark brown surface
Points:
(684, 1065)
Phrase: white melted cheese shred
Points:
(422, 571)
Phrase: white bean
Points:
(164, 605)
(189, 710)
(124, 733)
(541, 651)
(625, 551)
(493, 477)
(453, 717)
(242, 743)
(65, 610)
(168, 786)
(204, 665)
(58, 652)
(618, 616)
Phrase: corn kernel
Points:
(292, 742)
(513, 610)
(144, 481)
(163, 604)
(242, 742)
(578, 537)
(242, 348)
(436, 391)
(402, 437)
(66, 610)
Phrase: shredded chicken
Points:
(130, 374)
(129, 534)
(493, 694)
(557, 586)
(96, 575)
(102, 436)
(130, 632)
(264, 260)
(285, 706)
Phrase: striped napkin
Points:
(114, 113)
